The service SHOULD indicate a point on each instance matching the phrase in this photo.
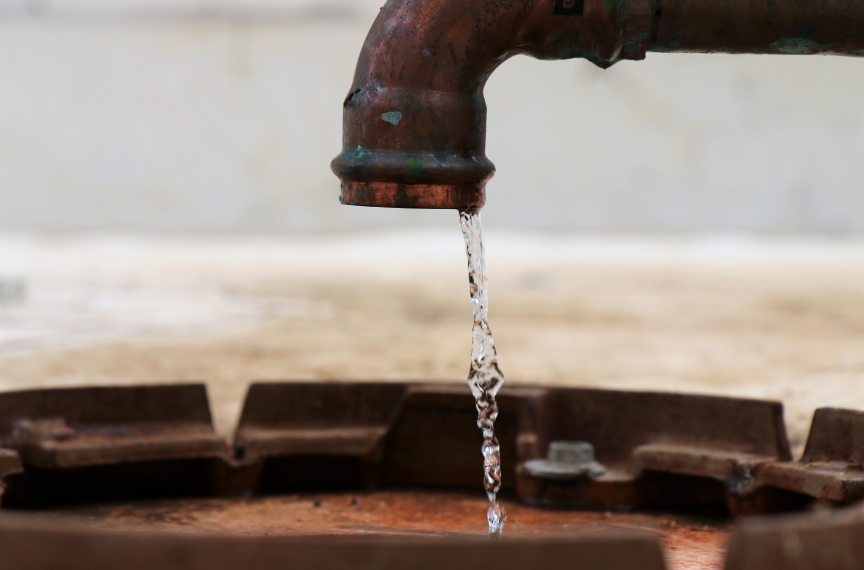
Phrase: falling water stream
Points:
(484, 378)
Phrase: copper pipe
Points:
(760, 26)
(414, 122)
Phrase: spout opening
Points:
(400, 195)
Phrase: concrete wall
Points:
(223, 116)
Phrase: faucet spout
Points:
(414, 121)
(414, 124)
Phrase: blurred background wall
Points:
(125, 123)
(223, 115)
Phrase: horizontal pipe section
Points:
(798, 27)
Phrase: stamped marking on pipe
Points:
(392, 117)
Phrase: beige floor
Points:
(780, 319)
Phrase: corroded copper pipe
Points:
(760, 26)
(414, 124)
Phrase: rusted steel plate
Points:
(78, 427)
(10, 462)
(836, 435)
(832, 467)
(316, 419)
(314, 436)
(641, 435)
(658, 449)
(689, 541)
(73, 546)
(825, 541)
(617, 422)
(361, 435)
(732, 468)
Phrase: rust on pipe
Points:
(414, 121)
(797, 27)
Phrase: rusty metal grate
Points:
(661, 451)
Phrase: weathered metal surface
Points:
(10, 462)
(415, 118)
(668, 450)
(836, 435)
(832, 467)
(75, 546)
(90, 444)
(381, 193)
(566, 460)
(754, 26)
(641, 436)
(414, 121)
(823, 541)
(688, 541)
(316, 419)
(316, 436)
(659, 449)
(79, 427)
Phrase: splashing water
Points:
(484, 378)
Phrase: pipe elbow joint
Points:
(414, 122)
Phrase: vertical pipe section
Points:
(759, 26)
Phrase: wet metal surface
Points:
(74, 547)
(688, 541)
